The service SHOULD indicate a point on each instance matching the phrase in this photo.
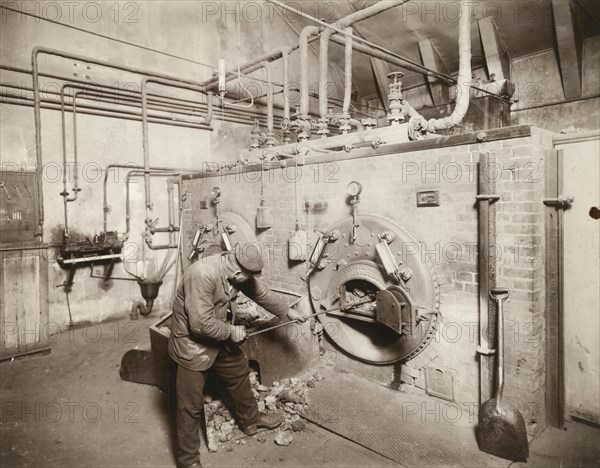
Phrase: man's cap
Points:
(249, 257)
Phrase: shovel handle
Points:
(499, 294)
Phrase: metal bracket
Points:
(562, 201)
(387, 258)
(490, 198)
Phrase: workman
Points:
(204, 337)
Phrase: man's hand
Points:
(238, 334)
(293, 314)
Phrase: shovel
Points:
(501, 429)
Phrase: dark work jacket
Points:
(199, 324)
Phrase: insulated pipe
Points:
(463, 86)
(145, 143)
(408, 64)
(348, 72)
(306, 33)
(323, 69)
(286, 83)
(344, 24)
(391, 58)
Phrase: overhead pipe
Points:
(228, 115)
(38, 117)
(303, 122)
(344, 25)
(76, 189)
(270, 135)
(231, 115)
(345, 117)
(408, 64)
(286, 98)
(131, 167)
(463, 86)
(251, 66)
(145, 142)
(323, 83)
(377, 51)
(100, 111)
(306, 33)
(81, 90)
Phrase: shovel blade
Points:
(501, 431)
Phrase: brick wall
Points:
(449, 237)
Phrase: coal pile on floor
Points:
(287, 398)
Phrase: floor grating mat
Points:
(412, 430)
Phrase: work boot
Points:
(267, 421)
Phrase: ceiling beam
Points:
(431, 59)
(497, 58)
(380, 72)
(569, 45)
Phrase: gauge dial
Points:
(216, 192)
(354, 188)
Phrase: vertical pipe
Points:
(463, 85)
(270, 97)
(209, 107)
(286, 83)
(347, 71)
(64, 151)
(323, 69)
(145, 148)
(304, 35)
(37, 118)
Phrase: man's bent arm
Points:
(200, 310)
(264, 297)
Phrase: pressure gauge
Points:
(215, 192)
(354, 188)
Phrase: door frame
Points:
(555, 376)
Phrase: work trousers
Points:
(232, 367)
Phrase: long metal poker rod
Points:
(348, 306)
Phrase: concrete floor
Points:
(71, 409)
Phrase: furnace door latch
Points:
(396, 310)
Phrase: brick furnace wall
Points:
(449, 237)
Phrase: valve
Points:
(395, 101)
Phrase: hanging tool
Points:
(347, 306)
(354, 189)
(264, 217)
(487, 266)
(3, 187)
(501, 430)
(298, 240)
(215, 193)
